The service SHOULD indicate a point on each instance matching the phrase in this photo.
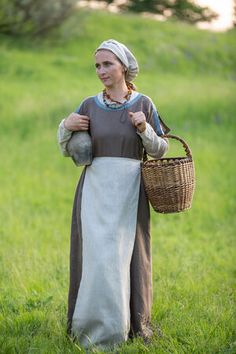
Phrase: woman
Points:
(110, 292)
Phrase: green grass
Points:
(190, 75)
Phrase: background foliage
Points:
(191, 76)
(39, 17)
(184, 10)
(34, 17)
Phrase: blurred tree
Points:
(234, 14)
(35, 17)
(184, 10)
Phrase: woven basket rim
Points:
(167, 161)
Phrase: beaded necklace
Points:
(115, 104)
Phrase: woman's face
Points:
(109, 69)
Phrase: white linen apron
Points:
(109, 216)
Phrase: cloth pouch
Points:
(79, 148)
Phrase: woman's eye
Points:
(105, 64)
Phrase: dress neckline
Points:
(133, 98)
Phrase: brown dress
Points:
(114, 139)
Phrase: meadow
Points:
(191, 77)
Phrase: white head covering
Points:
(125, 56)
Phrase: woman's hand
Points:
(138, 119)
(75, 122)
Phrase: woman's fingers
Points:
(138, 120)
(83, 124)
(137, 117)
(76, 122)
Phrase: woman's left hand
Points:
(138, 119)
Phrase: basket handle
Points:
(185, 145)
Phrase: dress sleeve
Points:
(155, 120)
(153, 143)
(64, 135)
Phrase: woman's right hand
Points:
(75, 122)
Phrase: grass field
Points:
(191, 77)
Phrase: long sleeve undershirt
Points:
(63, 136)
(154, 145)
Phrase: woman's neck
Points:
(118, 92)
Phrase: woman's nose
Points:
(102, 70)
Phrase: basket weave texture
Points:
(170, 182)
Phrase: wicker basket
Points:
(170, 182)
